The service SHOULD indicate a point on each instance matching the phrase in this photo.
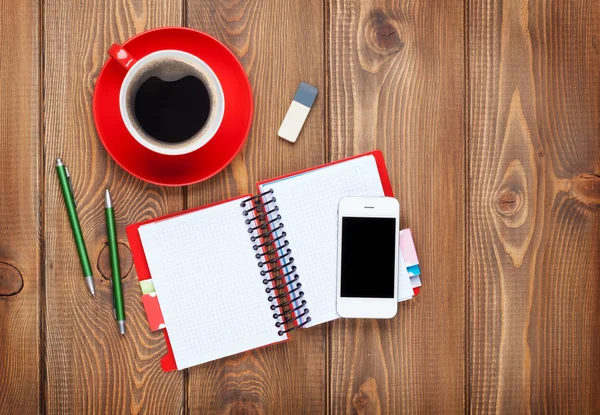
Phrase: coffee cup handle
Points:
(120, 55)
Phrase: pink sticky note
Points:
(407, 247)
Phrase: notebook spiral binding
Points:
(276, 257)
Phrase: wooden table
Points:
(488, 114)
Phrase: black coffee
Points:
(172, 112)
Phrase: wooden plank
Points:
(20, 247)
(397, 84)
(534, 206)
(89, 366)
(272, 41)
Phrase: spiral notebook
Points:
(243, 273)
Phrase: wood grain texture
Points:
(279, 45)
(488, 115)
(397, 84)
(533, 201)
(90, 368)
(20, 245)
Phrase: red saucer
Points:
(207, 160)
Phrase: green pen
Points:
(67, 190)
(117, 288)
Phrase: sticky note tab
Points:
(413, 270)
(297, 112)
(147, 286)
(153, 311)
(408, 251)
(407, 247)
(405, 290)
(415, 282)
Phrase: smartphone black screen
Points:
(368, 257)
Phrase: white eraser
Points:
(297, 112)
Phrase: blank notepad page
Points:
(208, 284)
(308, 203)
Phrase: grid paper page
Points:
(208, 284)
(309, 204)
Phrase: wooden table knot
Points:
(586, 189)
(366, 400)
(381, 33)
(125, 260)
(509, 201)
(387, 38)
(11, 280)
(380, 40)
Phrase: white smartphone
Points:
(367, 271)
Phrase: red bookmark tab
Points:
(153, 312)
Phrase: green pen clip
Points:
(112, 296)
(70, 185)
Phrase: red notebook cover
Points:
(139, 257)
(143, 272)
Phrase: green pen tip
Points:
(89, 282)
(107, 199)
(121, 327)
